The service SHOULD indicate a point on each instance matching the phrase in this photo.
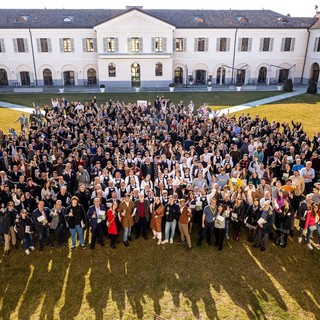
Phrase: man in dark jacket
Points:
(5, 223)
(142, 215)
(171, 213)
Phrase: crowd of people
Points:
(157, 168)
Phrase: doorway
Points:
(135, 75)
(68, 78)
(25, 78)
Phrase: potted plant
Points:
(61, 89)
(191, 79)
(102, 88)
(137, 88)
(209, 84)
(171, 86)
(239, 85)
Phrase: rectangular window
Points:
(266, 44)
(179, 44)
(111, 44)
(67, 45)
(135, 45)
(89, 45)
(223, 44)
(201, 44)
(318, 45)
(20, 45)
(1, 45)
(158, 44)
(44, 45)
(244, 44)
(287, 44)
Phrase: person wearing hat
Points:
(75, 217)
(126, 208)
(185, 217)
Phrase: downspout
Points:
(234, 54)
(33, 59)
(305, 57)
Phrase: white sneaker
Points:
(309, 246)
(154, 237)
(27, 251)
(171, 241)
(159, 242)
(31, 248)
(164, 241)
(299, 239)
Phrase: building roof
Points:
(88, 18)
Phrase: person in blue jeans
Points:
(75, 216)
(171, 213)
(24, 229)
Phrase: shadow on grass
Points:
(145, 279)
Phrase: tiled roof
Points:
(88, 18)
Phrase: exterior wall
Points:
(136, 24)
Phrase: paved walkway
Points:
(253, 104)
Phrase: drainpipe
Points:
(305, 57)
(33, 59)
(234, 54)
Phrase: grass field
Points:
(137, 282)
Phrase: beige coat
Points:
(125, 213)
(156, 218)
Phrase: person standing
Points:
(157, 213)
(172, 212)
(311, 223)
(59, 223)
(96, 215)
(112, 225)
(208, 216)
(142, 216)
(219, 226)
(75, 217)
(185, 217)
(5, 222)
(126, 208)
(41, 218)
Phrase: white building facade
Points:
(152, 48)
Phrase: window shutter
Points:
(26, 48)
(3, 49)
(184, 44)
(206, 45)
(129, 44)
(271, 44)
(38, 45)
(164, 44)
(72, 44)
(261, 44)
(116, 44)
(15, 45)
(95, 46)
(228, 45)
(282, 44)
(140, 44)
(49, 45)
(249, 44)
(153, 44)
(61, 44)
(84, 44)
(105, 44)
(239, 44)
(174, 45)
(316, 42)
(195, 44)
(293, 42)
(218, 45)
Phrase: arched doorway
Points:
(315, 71)
(221, 75)
(241, 76)
(92, 76)
(135, 75)
(201, 76)
(3, 78)
(262, 76)
(68, 78)
(47, 77)
(178, 75)
(25, 78)
(283, 75)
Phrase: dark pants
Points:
(97, 233)
(207, 230)
(44, 235)
(141, 226)
(219, 234)
(262, 238)
(308, 187)
(61, 234)
(113, 240)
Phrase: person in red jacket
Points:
(111, 224)
(311, 220)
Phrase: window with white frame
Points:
(67, 45)
(316, 47)
(89, 45)
(287, 44)
(158, 69)
(180, 44)
(21, 45)
(135, 44)
(158, 44)
(245, 44)
(2, 47)
(201, 44)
